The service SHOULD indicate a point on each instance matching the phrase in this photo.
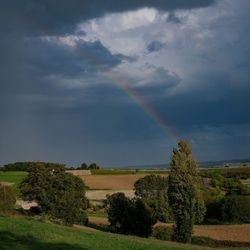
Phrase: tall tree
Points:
(184, 192)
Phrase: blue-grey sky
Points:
(63, 62)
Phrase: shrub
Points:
(233, 209)
(7, 199)
(236, 209)
(129, 216)
(162, 232)
(153, 189)
(214, 210)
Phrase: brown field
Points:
(218, 232)
(224, 232)
(111, 182)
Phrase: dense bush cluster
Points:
(27, 166)
(162, 232)
(233, 209)
(153, 190)
(129, 216)
(7, 199)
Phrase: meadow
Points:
(26, 234)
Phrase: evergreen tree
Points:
(184, 193)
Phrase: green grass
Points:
(13, 176)
(26, 234)
(98, 214)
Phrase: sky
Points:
(120, 82)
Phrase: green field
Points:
(20, 234)
(12, 176)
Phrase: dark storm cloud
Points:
(155, 46)
(57, 102)
(173, 18)
(61, 16)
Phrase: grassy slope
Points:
(21, 234)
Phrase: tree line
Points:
(27, 166)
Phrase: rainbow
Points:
(168, 130)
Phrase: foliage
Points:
(162, 232)
(236, 209)
(7, 199)
(232, 209)
(129, 216)
(153, 189)
(239, 172)
(27, 166)
(59, 194)
(184, 193)
(84, 166)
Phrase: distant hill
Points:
(204, 164)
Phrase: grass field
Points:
(13, 176)
(23, 234)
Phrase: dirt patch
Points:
(113, 182)
(5, 183)
(98, 221)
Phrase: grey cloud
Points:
(172, 18)
(155, 46)
(60, 16)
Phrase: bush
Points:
(236, 209)
(59, 194)
(162, 232)
(214, 210)
(153, 190)
(232, 209)
(129, 216)
(7, 199)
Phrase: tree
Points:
(129, 216)
(59, 194)
(84, 166)
(7, 199)
(93, 166)
(153, 190)
(184, 192)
